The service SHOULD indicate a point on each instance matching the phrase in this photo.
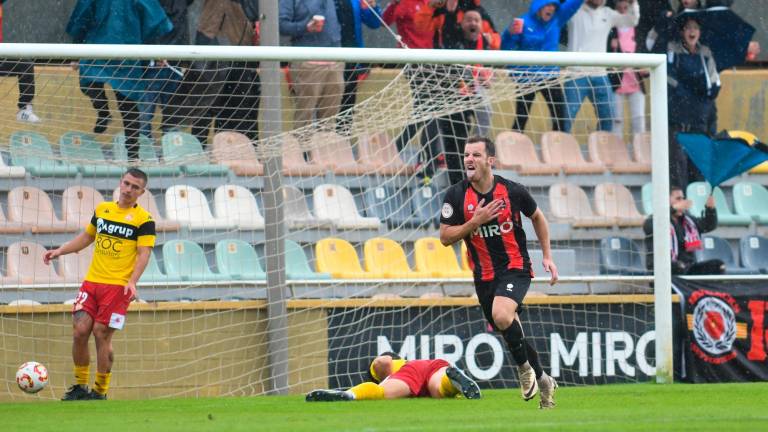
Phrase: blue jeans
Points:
(598, 90)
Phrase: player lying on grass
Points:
(392, 377)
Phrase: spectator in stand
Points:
(405, 15)
(454, 128)
(628, 83)
(685, 232)
(653, 12)
(693, 85)
(317, 86)
(352, 15)
(664, 26)
(588, 32)
(24, 71)
(539, 30)
(117, 22)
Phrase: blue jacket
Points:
(364, 16)
(294, 16)
(117, 22)
(538, 35)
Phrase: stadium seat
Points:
(32, 151)
(24, 262)
(238, 260)
(185, 260)
(698, 192)
(339, 258)
(78, 204)
(188, 206)
(754, 253)
(238, 207)
(11, 171)
(296, 210)
(296, 264)
(32, 207)
(73, 267)
(336, 203)
(431, 257)
(615, 201)
(386, 259)
(646, 194)
(335, 153)
(641, 148)
(569, 203)
(515, 151)
(147, 201)
(294, 162)
(236, 151)
(760, 169)
(86, 154)
(621, 256)
(561, 149)
(388, 205)
(148, 155)
(378, 151)
(152, 272)
(464, 258)
(183, 148)
(426, 202)
(718, 248)
(609, 149)
(751, 199)
(11, 227)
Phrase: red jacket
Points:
(405, 14)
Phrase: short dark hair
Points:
(139, 174)
(490, 147)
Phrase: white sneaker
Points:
(26, 115)
(528, 385)
(548, 385)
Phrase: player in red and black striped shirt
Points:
(485, 211)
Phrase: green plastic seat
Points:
(185, 260)
(32, 151)
(183, 148)
(296, 264)
(146, 153)
(698, 192)
(646, 194)
(239, 260)
(80, 146)
(152, 272)
(751, 199)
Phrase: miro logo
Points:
(106, 227)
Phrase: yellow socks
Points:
(102, 382)
(81, 374)
(367, 391)
(447, 390)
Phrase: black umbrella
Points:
(726, 34)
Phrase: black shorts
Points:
(511, 285)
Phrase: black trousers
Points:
(24, 71)
(454, 129)
(555, 102)
(129, 111)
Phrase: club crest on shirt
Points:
(471, 207)
(447, 210)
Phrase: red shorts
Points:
(416, 373)
(105, 303)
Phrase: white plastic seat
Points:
(336, 203)
(238, 207)
(7, 171)
(78, 204)
(24, 262)
(189, 206)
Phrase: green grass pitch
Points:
(638, 407)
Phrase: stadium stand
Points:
(237, 205)
(296, 210)
(296, 265)
(641, 148)
(78, 204)
(185, 149)
(614, 201)
(79, 146)
(32, 207)
(147, 201)
(10, 227)
(515, 151)
(378, 151)
(718, 248)
(334, 152)
(388, 205)
(561, 149)
(152, 272)
(753, 251)
(426, 202)
(336, 203)
(185, 260)
(431, 257)
(698, 192)
(74, 267)
(23, 263)
(646, 198)
(569, 203)
(188, 206)
(147, 154)
(608, 148)
(236, 151)
(7, 171)
(621, 256)
(294, 161)
(339, 258)
(386, 259)
(751, 199)
(238, 260)
(33, 152)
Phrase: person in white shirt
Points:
(588, 32)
